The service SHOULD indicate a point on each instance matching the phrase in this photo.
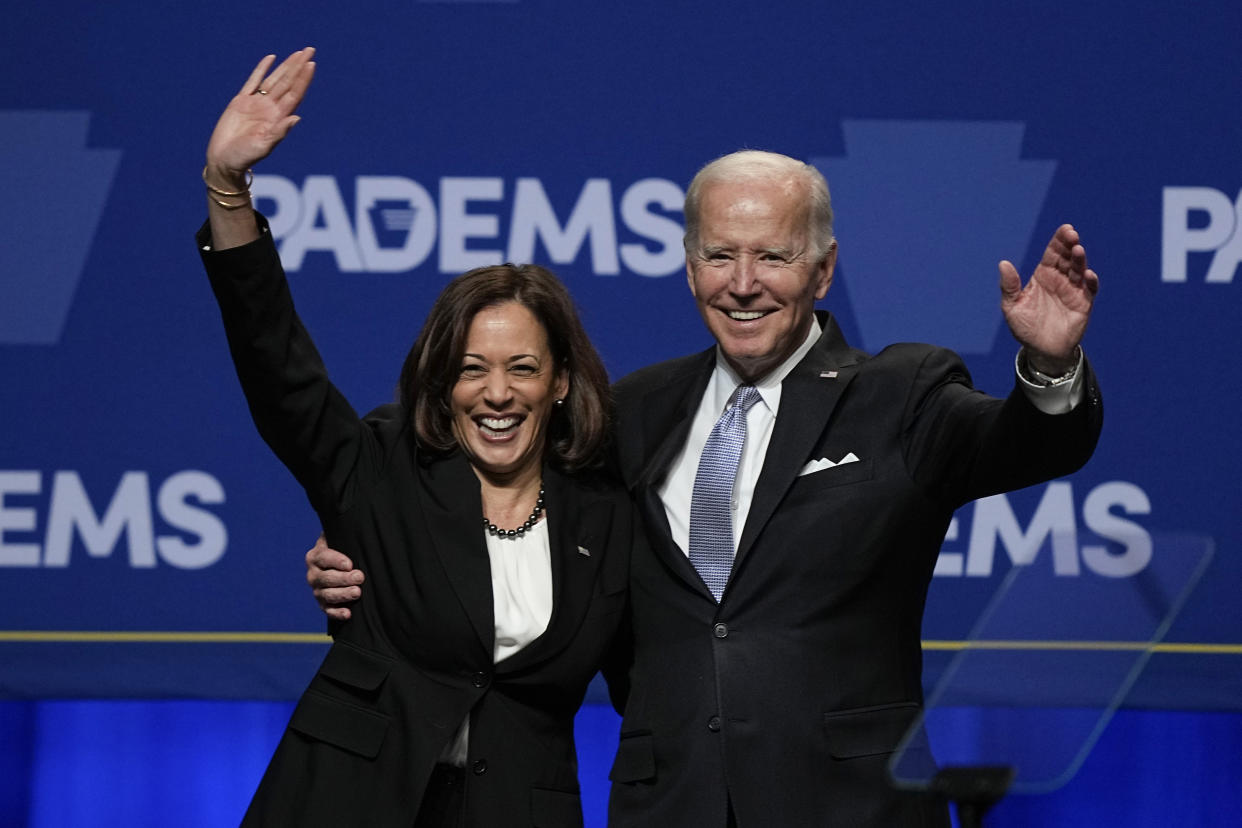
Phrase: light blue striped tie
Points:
(711, 513)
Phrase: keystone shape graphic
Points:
(925, 211)
(63, 187)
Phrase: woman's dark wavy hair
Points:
(578, 429)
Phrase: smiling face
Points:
(754, 273)
(506, 385)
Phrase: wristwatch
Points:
(1040, 378)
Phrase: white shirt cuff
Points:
(1058, 398)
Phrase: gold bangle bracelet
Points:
(228, 206)
(245, 192)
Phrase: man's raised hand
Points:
(1049, 316)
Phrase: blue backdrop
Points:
(151, 545)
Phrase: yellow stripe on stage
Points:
(1100, 646)
(161, 637)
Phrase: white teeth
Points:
(744, 316)
(498, 423)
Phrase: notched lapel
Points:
(576, 521)
(808, 397)
(667, 413)
(453, 507)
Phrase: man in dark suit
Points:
(776, 618)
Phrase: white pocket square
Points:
(825, 463)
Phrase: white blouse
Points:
(521, 605)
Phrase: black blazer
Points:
(416, 657)
(792, 693)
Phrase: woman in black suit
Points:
(497, 556)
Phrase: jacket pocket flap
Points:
(338, 723)
(355, 666)
(635, 759)
(868, 731)
(555, 809)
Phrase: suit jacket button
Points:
(479, 679)
(479, 767)
(721, 630)
(713, 724)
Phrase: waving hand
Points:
(258, 117)
(255, 121)
(1049, 316)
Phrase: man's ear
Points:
(690, 276)
(824, 269)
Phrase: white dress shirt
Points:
(678, 487)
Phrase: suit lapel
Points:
(453, 507)
(579, 527)
(808, 397)
(667, 414)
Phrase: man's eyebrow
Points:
(787, 253)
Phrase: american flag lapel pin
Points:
(584, 552)
(827, 374)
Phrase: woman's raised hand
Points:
(258, 118)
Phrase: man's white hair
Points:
(757, 165)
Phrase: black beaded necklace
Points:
(493, 529)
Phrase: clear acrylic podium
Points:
(1051, 657)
